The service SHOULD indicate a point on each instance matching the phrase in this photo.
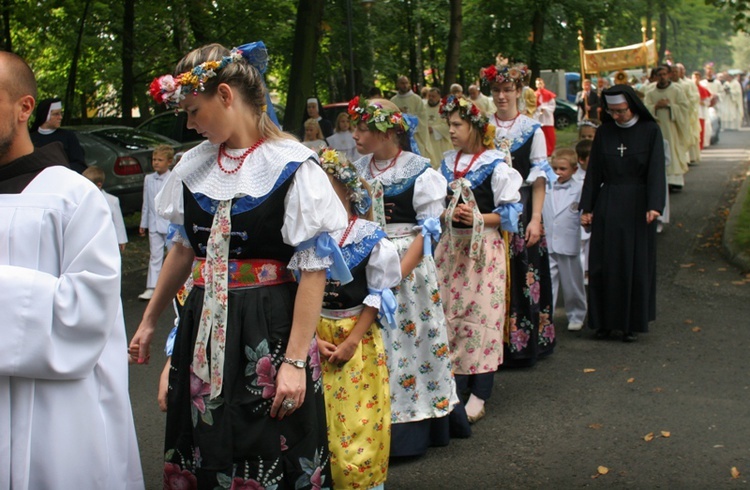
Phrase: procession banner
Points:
(633, 56)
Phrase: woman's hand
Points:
(161, 396)
(290, 385)
(344, 352)
(533, 232)
(139, 350)
(651, 216)
(586, 219)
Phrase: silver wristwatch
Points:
(298, 363)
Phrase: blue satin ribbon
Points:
(430, 231)
(176, 229)
(509, 213)
(325, 246)
(548, 172)
(388, 306)
(413, 123)
(170, 341)
(257, 55)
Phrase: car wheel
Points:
(562, 121)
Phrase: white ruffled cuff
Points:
(372, 300)
(308, 260)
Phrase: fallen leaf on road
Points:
(630, 380)
(722, 269)
(685, 266)
(649, 437)
(696, 329)
(738, 283)
(701, 270)
(679, 225)
(658, 390)
(688, 322)
(666, 434)
(603, 470)
(589, 370)
(735, 472)
(595, 426)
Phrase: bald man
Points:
(410, 103)
(65, 413)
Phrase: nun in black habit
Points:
(46, 129)
(623, 194)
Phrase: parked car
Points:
(125, 156)
(565, 114)
(172, 125)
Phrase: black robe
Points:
(620, 187)
(73, 149)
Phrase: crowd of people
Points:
(340, 301)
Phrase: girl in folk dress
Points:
(531, 331)
(355, 374)
(342, 139)
(244, 409)
(408, 199)
(471, 256)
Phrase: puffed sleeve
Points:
(169, 204)
(506, 182)
(538, 156)
(312, 211)
(383, 273)
(430, 190)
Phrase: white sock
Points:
(474, 406)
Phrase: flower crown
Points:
(171, 90)
(469, 112)
(376, 116)
(502, 74)
(336, 165)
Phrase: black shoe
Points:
(601, 334)
(675, 189)
(629, 337)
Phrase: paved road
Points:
(553, 425)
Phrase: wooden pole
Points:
(580, 53)
(645, 48)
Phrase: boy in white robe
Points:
(65, 416)
(562, 227)
(96, 175)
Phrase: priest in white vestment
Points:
(440, 138)
(65, 415)
(410, 103)
(690, 90)
(669, 106)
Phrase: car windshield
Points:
(131, 139)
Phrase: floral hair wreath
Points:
(469, 112)
(502, 74)
(171, 90)
(376, 116)
(341, 169)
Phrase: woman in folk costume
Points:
(471, 257)
(408, 199)
(531, 333)
(355, 374)
(244, 408)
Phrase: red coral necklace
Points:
(461, 174)
(348, 230)
(240, 159)
(374, 166)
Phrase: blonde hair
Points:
(568, 154)
(312, 123)
(239, 75)
(94, 174)
(164, 150)
(343, 115)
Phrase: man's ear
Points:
(26, 105)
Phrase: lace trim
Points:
(408, 167)
(246, 203)
(256, 178)
(356, 251)
(483, 167)
(308, 260)
(518, 134)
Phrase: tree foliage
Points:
(388, 38)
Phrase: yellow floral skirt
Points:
(358, 407)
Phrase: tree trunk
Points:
(128, 47)
(662, 34)
(411, 39)
(305, 50)
(71, 89)
(199, 16)
(537, 25)
(8, 41)
(454, 46)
